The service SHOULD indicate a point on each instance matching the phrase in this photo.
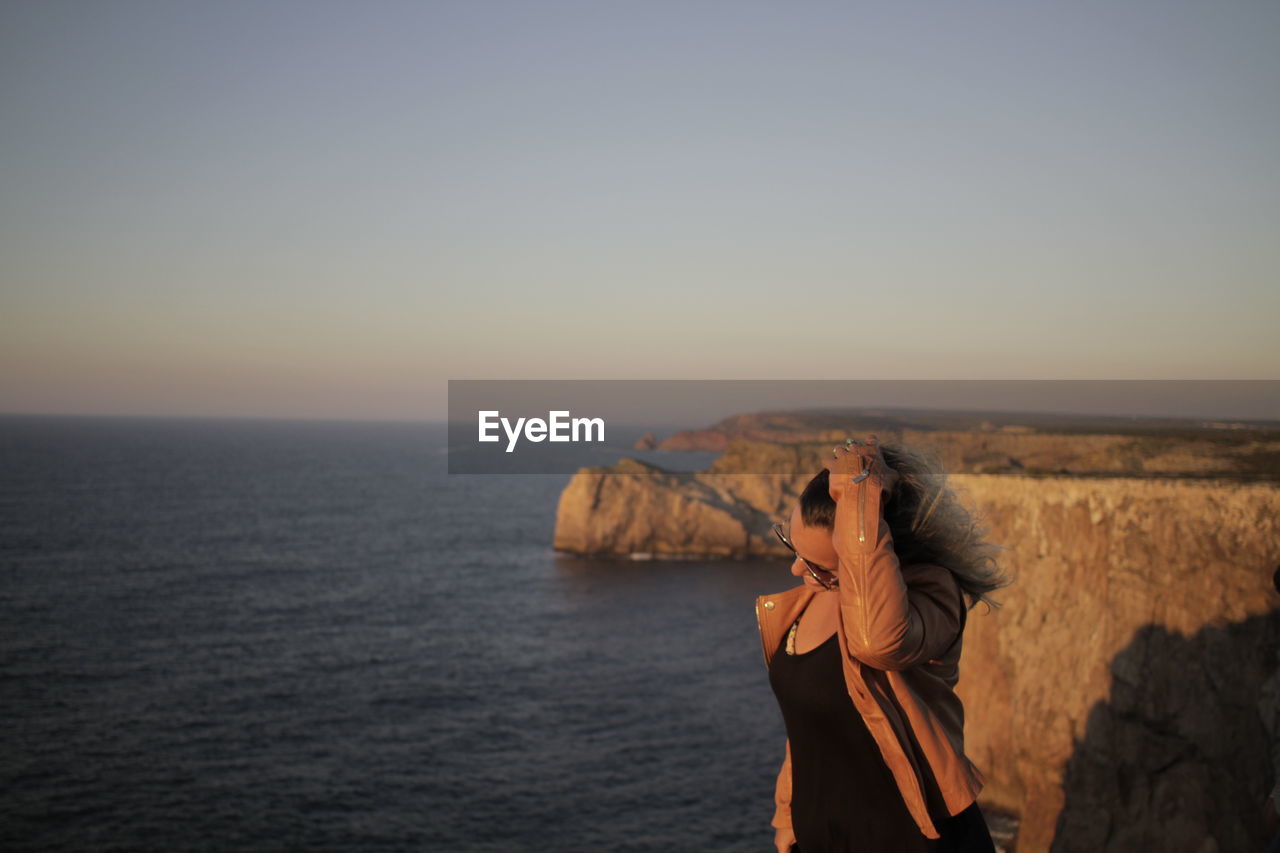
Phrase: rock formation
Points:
(1013, 449)
(1112, 698)
(639, 510)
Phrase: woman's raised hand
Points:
(855, 460)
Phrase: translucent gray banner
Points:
(780, 426)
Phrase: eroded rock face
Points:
(637, 510)
(1112, 701)
(1020, 450)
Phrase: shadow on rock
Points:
(1178, 758)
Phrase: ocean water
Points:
(257, 635)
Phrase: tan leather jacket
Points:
(900, 630)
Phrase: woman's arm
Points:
(782, 793)
(783, 836)
(888, 623)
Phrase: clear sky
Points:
(328, 209)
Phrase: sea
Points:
(244, 635)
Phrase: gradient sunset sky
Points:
(328, 209)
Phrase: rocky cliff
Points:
(1017, 449)
(638, 510)
(1112, 699)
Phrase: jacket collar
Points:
(775, 613)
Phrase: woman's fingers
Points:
(853, 462)
(858, 461)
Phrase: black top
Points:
(843, 796)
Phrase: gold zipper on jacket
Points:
(862, 511)
(862, 558)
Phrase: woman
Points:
(864, 658)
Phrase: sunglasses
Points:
(783, 532)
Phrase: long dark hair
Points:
(928, 523)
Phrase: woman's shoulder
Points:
(934, 577)
(926, 569)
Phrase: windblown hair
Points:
(927, 522)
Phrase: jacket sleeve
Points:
(782, 793)
(889, 623)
